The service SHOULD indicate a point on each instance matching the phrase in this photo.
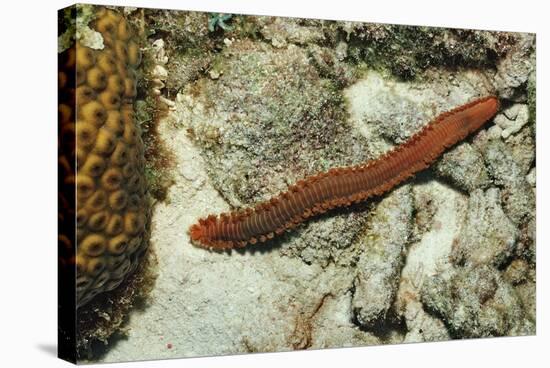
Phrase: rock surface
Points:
(451, 254)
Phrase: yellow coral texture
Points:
(112, 207)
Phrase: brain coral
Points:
(112, 207)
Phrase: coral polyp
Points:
(107, 145)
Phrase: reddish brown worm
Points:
(344, 185)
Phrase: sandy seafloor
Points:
(448, 255)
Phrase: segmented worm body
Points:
(343, 186)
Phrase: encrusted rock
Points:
(512, 119)
(470, 300)
(487, 235)
(382, 258)
(281, 31)
(464, 166)
(517, 197)
(513, 70)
